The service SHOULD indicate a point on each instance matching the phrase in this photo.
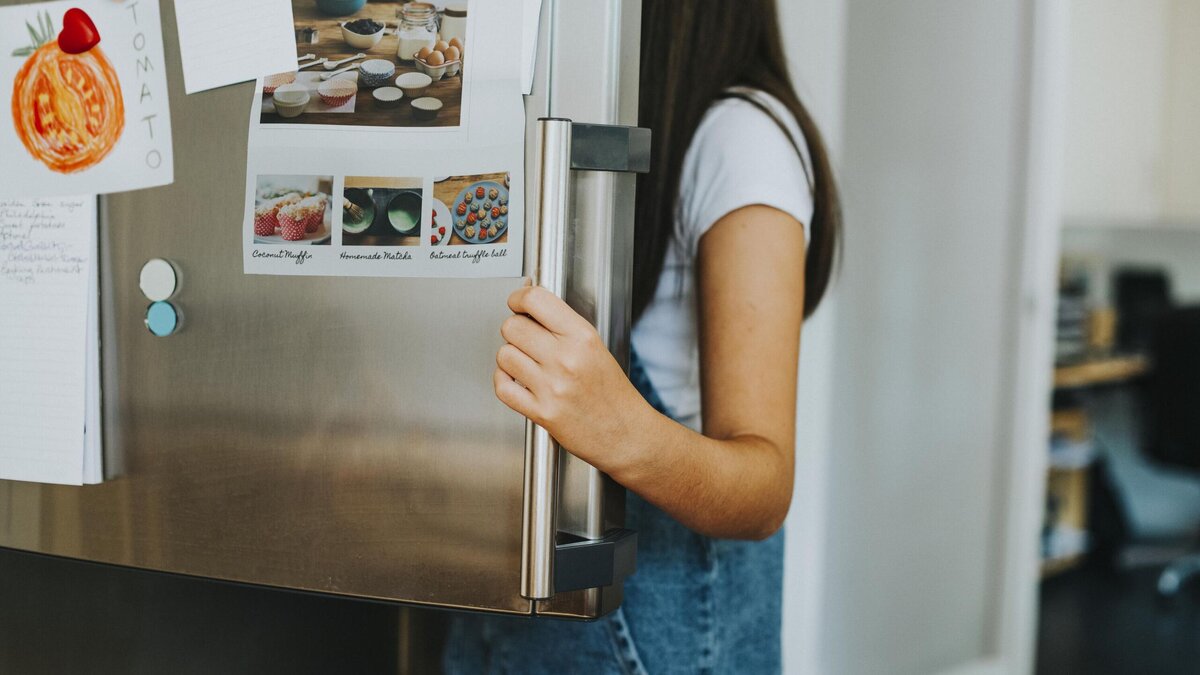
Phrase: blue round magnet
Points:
(162, 319)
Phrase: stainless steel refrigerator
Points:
(340, 435)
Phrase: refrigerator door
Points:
(337, 435)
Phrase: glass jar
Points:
(418, 29)
(454, 22)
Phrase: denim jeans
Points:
(695, 605)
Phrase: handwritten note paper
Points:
(531, 18)
(228, 41)
(46, 294)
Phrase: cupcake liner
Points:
(313, 221)
(265, 222)
(292, 216)
(291, 233)
(273, 82)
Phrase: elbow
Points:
(773, 514)
(770, 521)
(768, 528)
(757, 525)
(771, 508)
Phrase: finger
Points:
(512, 394)
(547, 309)
(520, 367)
(529, 336)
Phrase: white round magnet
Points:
(158, 280)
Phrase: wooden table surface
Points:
(367, 112)
(448, 189)
(1097, 371)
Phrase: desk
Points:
(1100, 371)
(1068, 483)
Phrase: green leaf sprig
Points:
(41, 35)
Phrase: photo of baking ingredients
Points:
(374, 64)
(381, 211)
(293, 210)
(470, 210)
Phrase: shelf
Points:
(1094, 372)
(1055, 566)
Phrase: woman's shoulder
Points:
(747, 150)
(751, 115)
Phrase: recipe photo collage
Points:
(377, 225)
(389, 152)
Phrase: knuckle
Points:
(547, 415)
(590, 340)
(573, 363)
(561, 388)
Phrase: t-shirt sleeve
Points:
(741, 157)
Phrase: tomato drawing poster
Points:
(83, 98)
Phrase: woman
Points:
(737, 226)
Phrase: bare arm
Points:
(735, 480)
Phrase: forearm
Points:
(736, 482)
(737, 487)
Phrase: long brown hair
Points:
(693, 52)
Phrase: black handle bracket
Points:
(594, 563)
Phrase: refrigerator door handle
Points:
(540, 509)
(561, 147)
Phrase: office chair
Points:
(1140, 296)
(1172, 413)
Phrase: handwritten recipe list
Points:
(48, 358)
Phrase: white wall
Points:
(1183, 100)
(912, 542)
(1117, 86)
(933, 161)
(814, 33)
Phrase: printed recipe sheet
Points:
(396, 148)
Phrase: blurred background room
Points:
(1123, 500)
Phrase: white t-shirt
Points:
(739, 157)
